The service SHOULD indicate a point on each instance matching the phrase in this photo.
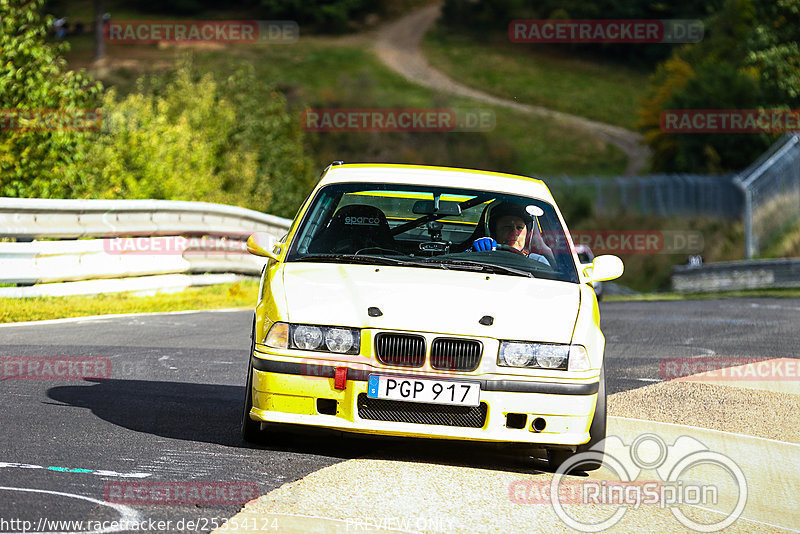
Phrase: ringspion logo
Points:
(688, 473)
(611, 492)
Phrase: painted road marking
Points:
(98, 472)
(127, 515)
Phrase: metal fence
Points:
(662, 195)
(771, 188)
(766, 194)
(80, 241)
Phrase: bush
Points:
(193, 137)
(33, 77)
(749, 60)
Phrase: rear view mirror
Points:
(605, 267)
(427, 207)
(260, 244)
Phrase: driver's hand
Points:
(484, 244)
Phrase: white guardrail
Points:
(82, 240)
(737, 275)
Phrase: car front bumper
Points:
(290, 393)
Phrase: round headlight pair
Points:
(515, 354)
(312, 337)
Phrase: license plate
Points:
(424, 390)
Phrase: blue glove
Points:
(484, 244)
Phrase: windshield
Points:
(433, 227)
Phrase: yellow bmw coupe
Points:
(430, 302)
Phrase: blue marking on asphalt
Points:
(69, 469)
(99, 472)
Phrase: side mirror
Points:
(606, 267)
(260, 244)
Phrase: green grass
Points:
(328, 72)
(749, 293)
(315, 73)
(547, 77)
(236, 295)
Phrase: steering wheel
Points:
(508, 248)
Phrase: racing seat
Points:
(353, 228)
(480, 231)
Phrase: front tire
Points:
(597, 433)
(251, 430)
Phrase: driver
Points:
(511, 224)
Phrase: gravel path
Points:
(398, 47)
(732, 409)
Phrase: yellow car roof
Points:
(438, 176)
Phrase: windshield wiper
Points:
(355, 258)
(490, 267)
(441, 264)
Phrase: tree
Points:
(193, 136)
(33, 79)
(749, 60)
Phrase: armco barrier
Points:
(30, 260)
(55, 218)
(737, 275)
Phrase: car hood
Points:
(431, 300)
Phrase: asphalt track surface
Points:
(172, 404)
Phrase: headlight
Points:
(339, 339)
(579, 358)
(278, 336)
(516, 354)
(307, 337)
(552, 356)
(542, 356)
(313, 337)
